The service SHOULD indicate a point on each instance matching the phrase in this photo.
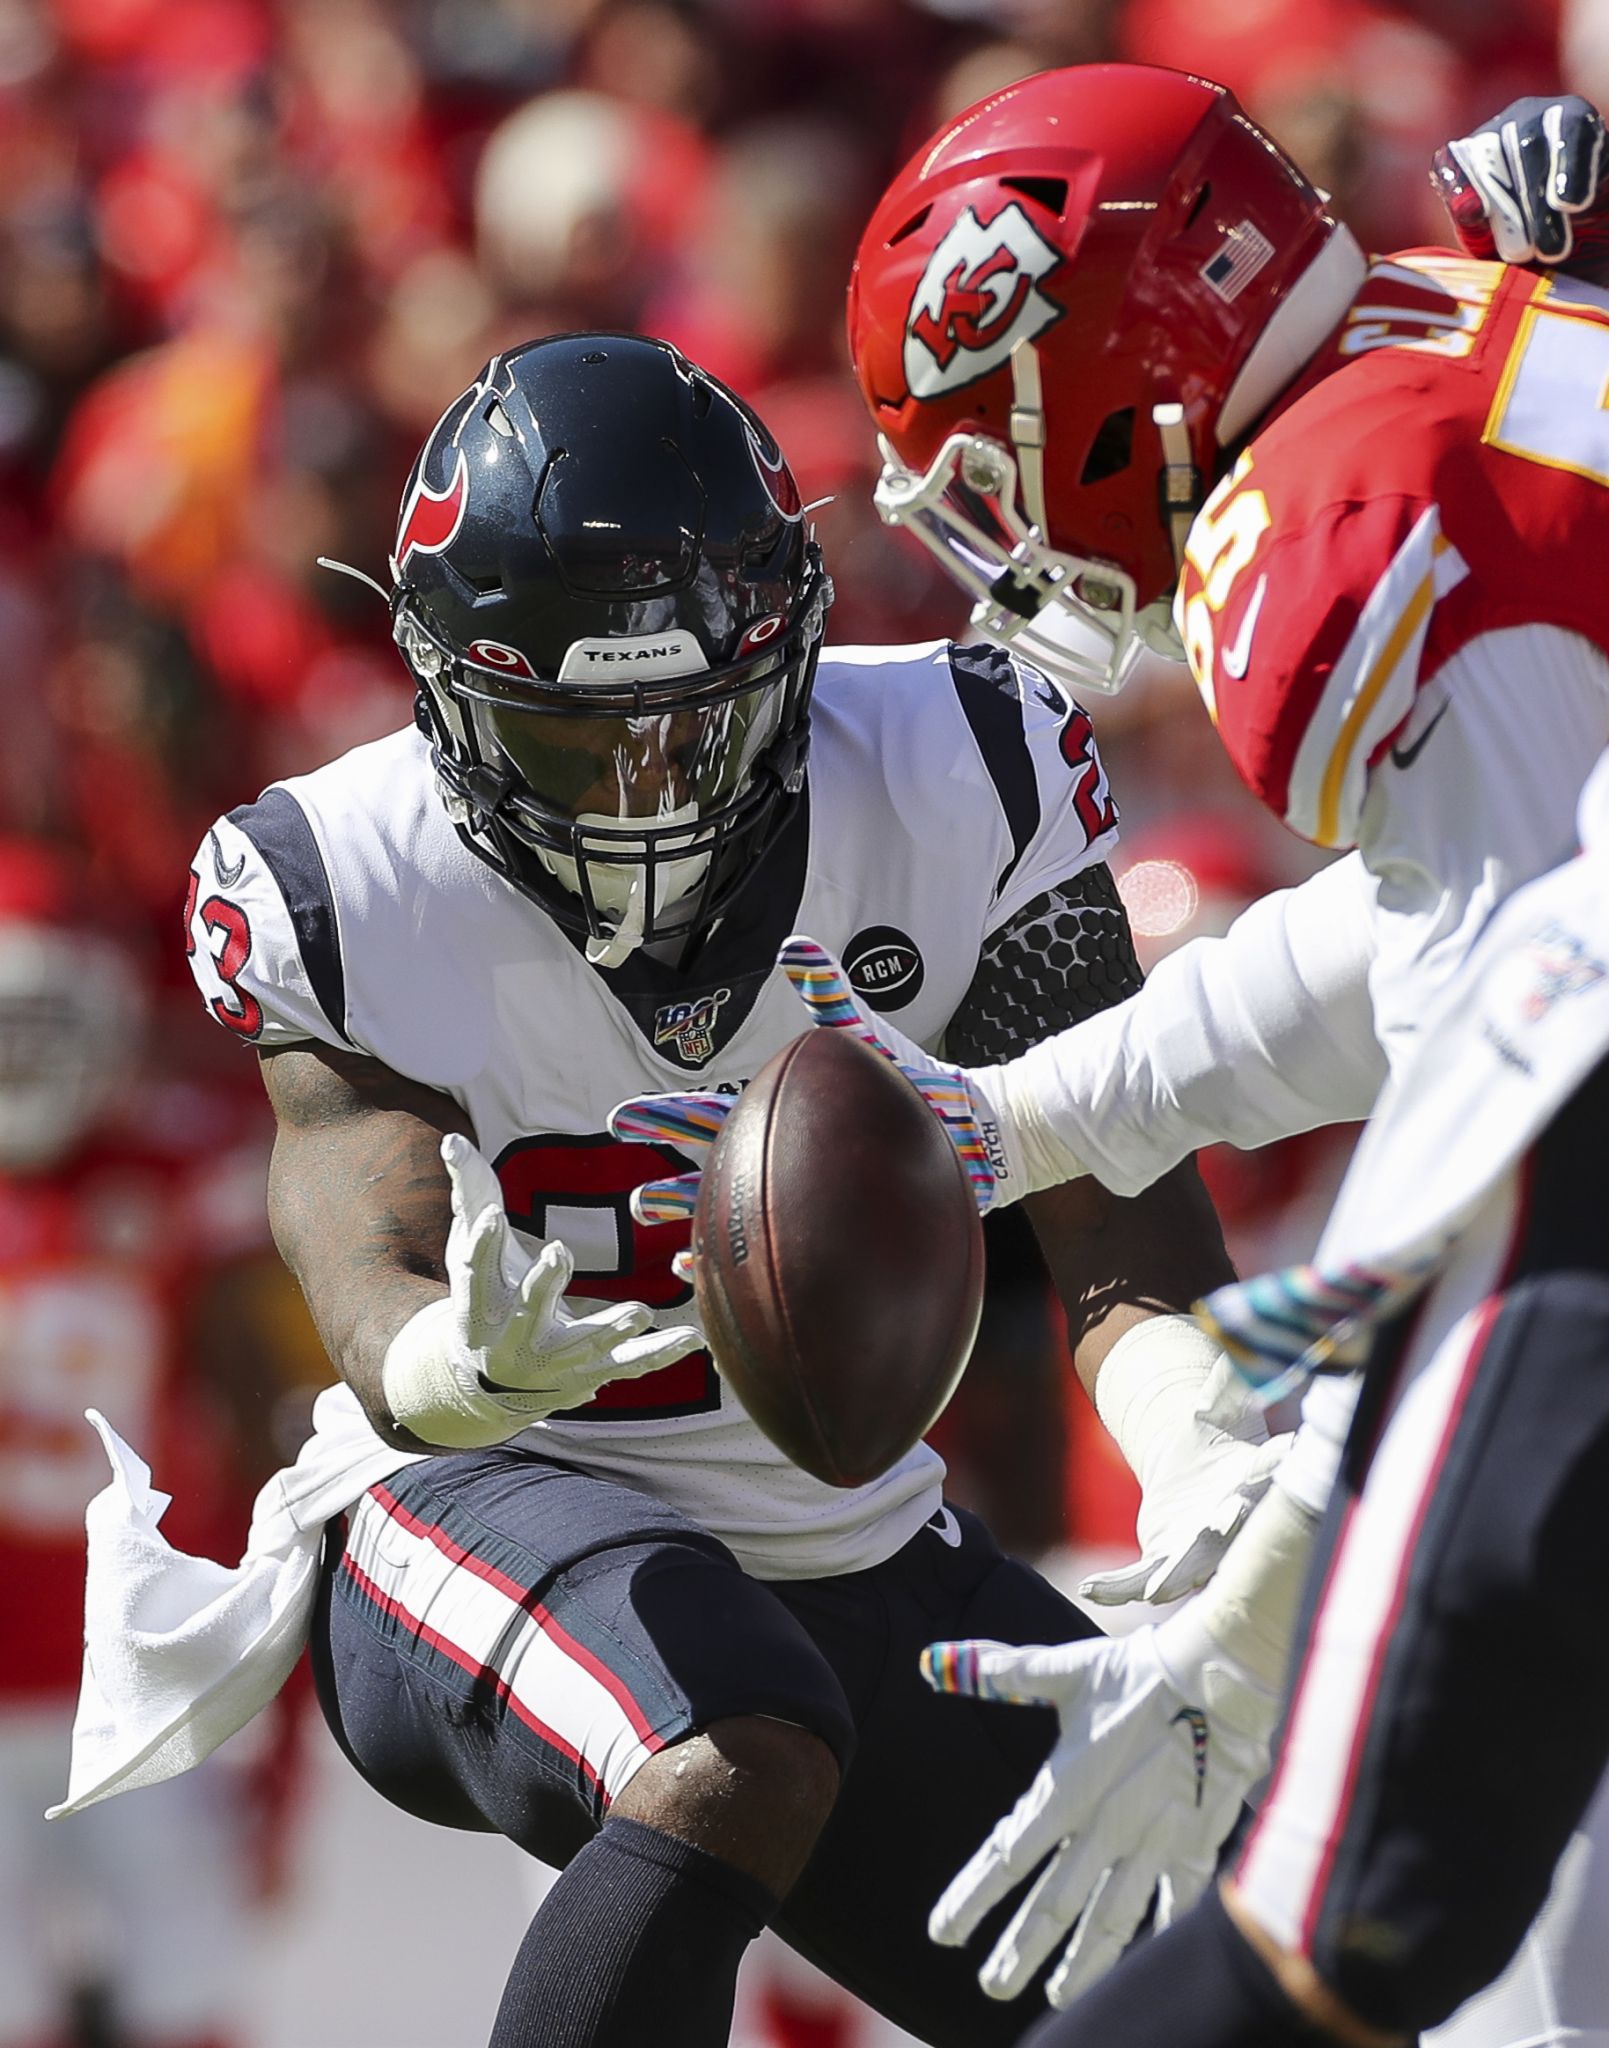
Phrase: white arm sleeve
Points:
(1476, 798)
(1240, 1040)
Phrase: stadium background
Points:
(247, 251)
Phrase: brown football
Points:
(837, 1258)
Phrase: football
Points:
(837, 1258)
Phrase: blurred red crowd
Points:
(248, 249)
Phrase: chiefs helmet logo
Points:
(431, 519)
(978, 297)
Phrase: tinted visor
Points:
(649, 766)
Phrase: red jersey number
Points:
(578, 1189)
(229, 943)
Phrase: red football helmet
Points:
(1063, 309)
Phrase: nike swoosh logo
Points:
(946, 1528)
(1196, 1722)
(1237, 655)
(1405, 757)
(228, 873)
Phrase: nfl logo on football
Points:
(690, 1027)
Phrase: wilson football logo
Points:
(978, 297)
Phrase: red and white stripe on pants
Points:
(1286, 1863)
(487, 1623)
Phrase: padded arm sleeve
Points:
(1244, 1039)
(1063, 957)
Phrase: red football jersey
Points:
(98, 1266)
(1440, 473)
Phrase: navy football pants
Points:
(502, 1641)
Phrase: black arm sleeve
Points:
(1062, 958)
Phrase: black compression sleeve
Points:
(1060, 959)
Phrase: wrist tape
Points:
(431, 1389)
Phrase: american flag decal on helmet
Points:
(1237, 260)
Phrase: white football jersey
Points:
(947, 789)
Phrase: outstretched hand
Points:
(1134, 1802)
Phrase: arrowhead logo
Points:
(978, 297)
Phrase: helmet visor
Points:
(659, 765)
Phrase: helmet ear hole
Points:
(1197, 206)
(1050, 193)
(1112, 449)
(909, 228)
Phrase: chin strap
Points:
(623, 941)
(1027, 426)
(1179, 485)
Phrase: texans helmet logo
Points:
(431, 519)
(776, 477)
(978, 297)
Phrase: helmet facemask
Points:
(979, 507)
(630, 809)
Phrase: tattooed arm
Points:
(359, 1204)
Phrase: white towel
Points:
(180, 1652)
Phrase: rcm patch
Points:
(884, 966)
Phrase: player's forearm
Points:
(1119, 1261)
(357, 1262)
(360, 1207)
(1244, 1039)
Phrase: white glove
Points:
(1163, 1735)
(1136, 1798)
(1195, 1438)
(500, 1350)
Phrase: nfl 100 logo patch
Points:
(688, 1029)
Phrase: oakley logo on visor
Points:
(641, 656)
(493, 654)
(977, 298)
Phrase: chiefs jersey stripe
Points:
(1370, 690)
(277, 826)
(488, 1625)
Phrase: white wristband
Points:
(430, 1393)
(1016, 1093)
(1161, 1390)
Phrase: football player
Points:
(118, 1228)
(1137, 385)
(567, 1590)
